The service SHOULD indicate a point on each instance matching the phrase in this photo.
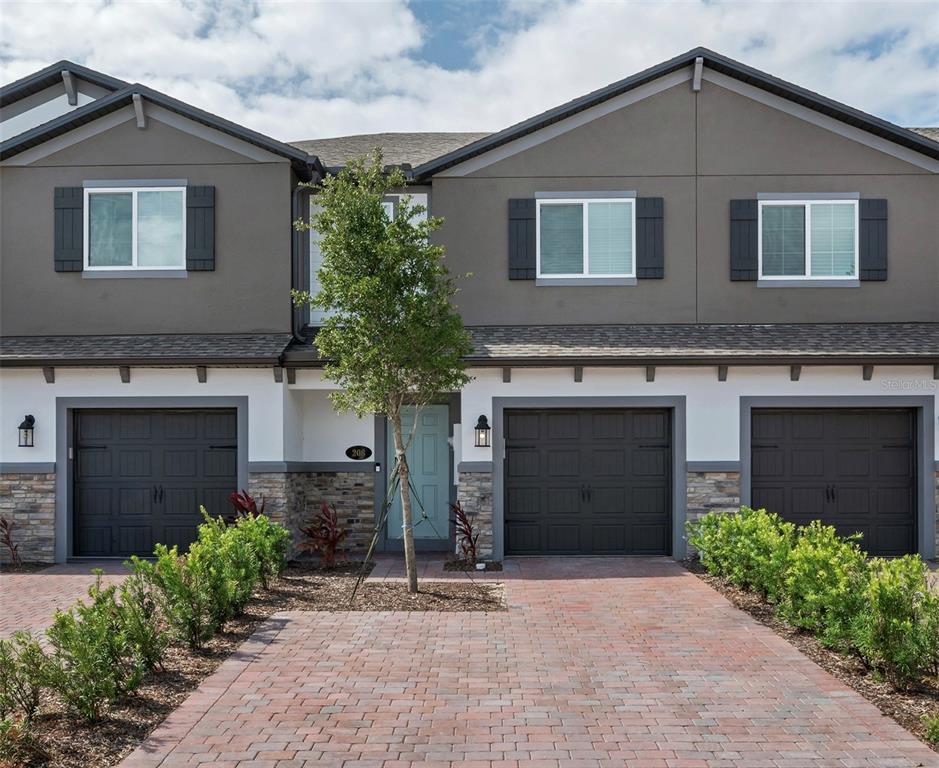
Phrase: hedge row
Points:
(101, 649)
(883, 610)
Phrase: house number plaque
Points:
(358, 452)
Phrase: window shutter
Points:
(744, 239)
(68, 244)
(200, 229)
(522, 239)
(872, 259)
(650, 238)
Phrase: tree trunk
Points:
(410, 564)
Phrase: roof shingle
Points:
(397, 148)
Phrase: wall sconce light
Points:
(26, 432)
(483, 431)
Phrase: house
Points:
(697, 287)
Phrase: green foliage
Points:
(227, 567)
(749, 548)
(18, 746)
(141, 618)
(824, 583)
(932, 728)
(184, 594)
(393, 333)
(22, 663)
(897, 629)
(92, 661)
(269, 541)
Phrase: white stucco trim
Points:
(74, 136)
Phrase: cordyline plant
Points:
(324, 534)
(466, 534)
(6, 538)
(393, 338)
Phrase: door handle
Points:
(834, 495)
(161, 494)
(154, 494)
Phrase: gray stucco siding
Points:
(248, 292)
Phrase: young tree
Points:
(393, 338)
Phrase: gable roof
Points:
(305, 165)
(401, 149)
(52, 75)
(714, 61)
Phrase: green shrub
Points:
(897, 630)
(92, 662)
(22, 663)
(824, 583)
(932, 728)
(18, 746)
(269, 541)
(233, 564)
(140, 616)
(184, 594)
(750, 548)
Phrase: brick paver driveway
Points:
(29, 600)
(620, 662)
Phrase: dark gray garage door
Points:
(853, 469)
(140, 476)
(591, 482)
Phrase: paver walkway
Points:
(605, 662)
(29, 600)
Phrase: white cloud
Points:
(302, 70)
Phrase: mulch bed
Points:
(463, 565)
(24, 568)
(69, 743)
(906, 707)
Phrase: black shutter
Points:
(743, 240)
(522, 239)
(873, 239)
(650, 238)
(200, 229)
(68, 245)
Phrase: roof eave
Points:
(52, 74)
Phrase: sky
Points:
(308, 70)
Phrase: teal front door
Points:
(429, 462)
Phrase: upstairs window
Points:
(586, 238)
(808, 239)
(128, 228)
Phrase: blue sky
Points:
(299, 70)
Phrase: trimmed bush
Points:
(22, 663)
(824, 583)
(228, 567)
(141, 618)
(92, 662)
(270, 542)
(185, 597)
(749, 548)
(897, 628)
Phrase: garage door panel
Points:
(608, 462)
(649, 539)
(563, 463)
(180, 536)
(602, 472)
(865, 463)
(144, 476)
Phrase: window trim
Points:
(584, 202)
(806, 203)
(133, 266)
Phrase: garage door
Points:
(140, 476)
(853, 469)
(588, 482)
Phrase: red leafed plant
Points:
(244, 503)
(6, 538)
(466, 533)
(324, 534)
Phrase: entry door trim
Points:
(679, 478)
(924, 409)
(63, 438)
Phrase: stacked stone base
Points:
(28, 501)
(711, 492)
(293, 499)
(474, 494)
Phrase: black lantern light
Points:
(483, 431)
(26, 432)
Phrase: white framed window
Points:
(808, 239)
(128, 228)
(585, 238)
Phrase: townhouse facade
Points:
(696, 288)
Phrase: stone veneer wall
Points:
(711, 492)
(293, 498)
(474, 493)
(28, 500)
